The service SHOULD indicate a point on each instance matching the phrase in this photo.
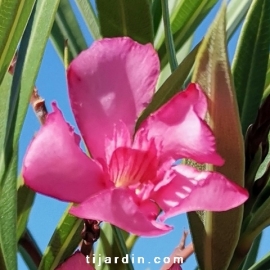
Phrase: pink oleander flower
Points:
(175, 267)
(130, 176)
(76, 261)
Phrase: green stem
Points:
(168, 35)
(131, 240)
(122, 246)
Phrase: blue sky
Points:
(46, 212)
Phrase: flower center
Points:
(130, 167)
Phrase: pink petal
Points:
(143, 142)
(76, 261)
(117, 206)
(192, 190)
(175, 267)
(55, 165)
(179, 127)
(121, 138)
(113, 80)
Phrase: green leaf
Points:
(29, 250)
(63, 243)
(58, 41)
(4, 97)
(168, 35)
(266, 91)
(156, 14)
(8, 244)
(257, 217)
(196, 10)
(264, 164)
(235, 14)
(25, 199)
(180, 56)
(66, 27)
(171, 86)
(185, 18)
(130, 241)
(257, 151)
(8, 166)
(107, 247)
(14, 16)
(29, 58)
(263, 264)
(122, 246)
(250, 62)
(212, 73)
(253, 253)
(89, 17)
(119, 18)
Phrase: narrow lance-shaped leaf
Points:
(263, 264)
(212, 73)
(107, 247)
(185, 18)
(259, 216)
(8, 164)
(89, 17)
(120, 241)
(168, 36)
(8, 242)
(119, 18)
(32, 47)
(25, 200)
(236, 12)
(25, 74)
(66, 27)
(14, 16)
(257, 208)
(250, 62)
(180, 56)
(31, 51)
(4, 96)
(64, 241)
(29, 250)
(253, 253)
(156, 14)
(267, 81)
(256, 149)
